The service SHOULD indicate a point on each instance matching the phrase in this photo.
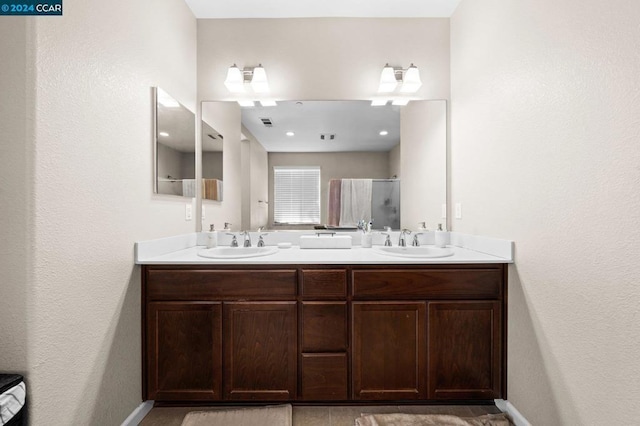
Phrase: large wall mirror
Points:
(390, 161)
(212, 147)
(174, 146)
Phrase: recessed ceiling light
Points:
(246, 103)
(290, 134)
(165, 134)
(268, 103)
(379, 102)
(383, 133)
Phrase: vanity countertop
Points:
(183, 250)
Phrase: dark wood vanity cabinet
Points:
(318, 333)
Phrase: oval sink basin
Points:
(415, 252)
(236, 252)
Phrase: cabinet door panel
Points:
(260, 350)
(465, 350)
(389, 350)
(184, 351)
(324, 326)
(324, 377)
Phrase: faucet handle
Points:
(387, 241)
(234, 240)
(415, 241)
(261, 240)
(227, 226)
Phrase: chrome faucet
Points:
(415, 241)
(247, 238)
(402, 242)
(234, 240)
(261, 240)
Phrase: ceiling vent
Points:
(327, 136)
(267, 122)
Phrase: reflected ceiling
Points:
(356, 126)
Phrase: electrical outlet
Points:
(458, 210)
(188, 214)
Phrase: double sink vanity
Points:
(351, 325)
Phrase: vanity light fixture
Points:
(290, 134)
(255, 76)
(383, 133)
(392, 76)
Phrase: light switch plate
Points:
(458, 210)
(188, 214)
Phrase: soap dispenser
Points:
(212, 237)
(440, 236)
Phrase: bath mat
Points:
(277, 415)
(397, 419)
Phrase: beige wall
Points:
(78, 107)
(333, 165)
(423, 156)
(323, 59)
(545, 107)
(16, 191)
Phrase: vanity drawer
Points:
(324, 326)
(195, 284)
(324, 283)
(399, 284)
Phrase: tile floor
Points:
(325, 415)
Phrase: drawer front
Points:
(324, 283)
(324, 377)
(399, 284)
(168, 284)
(324, 326)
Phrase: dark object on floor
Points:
(12, 400)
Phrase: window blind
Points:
(296, 192)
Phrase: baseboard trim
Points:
(507, 407)
(138, 414)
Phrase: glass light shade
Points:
(259, 82)
(411, 82)
(388, 80)
(235, 80)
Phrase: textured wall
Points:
(93, 198)
(16, 190)
(545, 107)
(323, 59)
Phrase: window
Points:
(296, 192)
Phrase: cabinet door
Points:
(465, 350)
(389, 352)
(184, 351)
(260, 350)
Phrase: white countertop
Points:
(183, 250)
